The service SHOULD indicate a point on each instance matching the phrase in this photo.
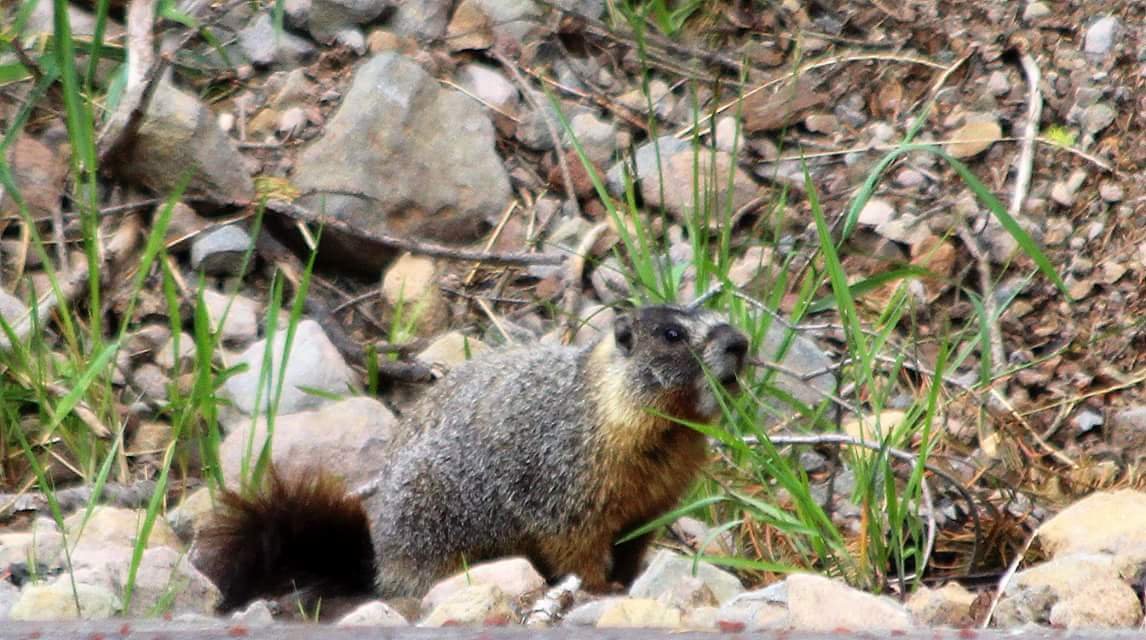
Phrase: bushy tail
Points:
(303, 534)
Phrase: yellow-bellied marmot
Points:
(552, 453)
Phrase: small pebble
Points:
(1100, 35)
(1035, 10)
(1110, 191)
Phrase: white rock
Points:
(257, 614)
(57, 601)
(490, 85)
(876, 212)
(644, 613)
(372, 614)
(115, 526)
(668, 568)
(514, 577)
(238, 315)
(816, 603)
(1100, 35)
(727, 135)
(345, 438)
(1106, 521)
(473, 605)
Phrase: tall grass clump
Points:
(760, 493)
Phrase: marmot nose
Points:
(731, 342)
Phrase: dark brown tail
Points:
(303, 534)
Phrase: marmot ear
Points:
(623, 333)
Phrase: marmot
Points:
(552, 453)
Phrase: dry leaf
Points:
(974, 138)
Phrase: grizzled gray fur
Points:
(552, 452)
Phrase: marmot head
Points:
(671, 353)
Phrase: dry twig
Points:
(303, 214)
(1030, 132)
(129, 496)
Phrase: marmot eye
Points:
(673, 333)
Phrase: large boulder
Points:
(403, 155)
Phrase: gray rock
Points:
(511, 19)
(801, 356)
(451, 349)
(1035, 10)
(877, 211)
(816, 603)
(292, 88)
(151, 381)
(423, 157)
(758, 610)
(948, 606)
(1086, 420)
(313, 363)
(597, 137)
(184, 225)
(221, 251)
(490, 85)
(590, 8)
(1111, 191)
(515, 577)
(41, 547)
(674, 179)
(15, 315)
(1097, 117)
(263, 47)
(8, 596)
(689, 593)
(728, 135)
(372, 614)
(643, 613)
(179, 135)
(998, 83)
(645, 161)
(1080, 590)
(57, 600)
(352, 38)
(291, 122)
(113, 526)
(193, 512)
(166, 582)
(345, 438)
(668, 568)
(296, 13)
(532, 131)
(423, 19)
(1127, 431)
(474, 605)
(257, 614)
(1104, 522)
(167, 358)
(775, 593)
(328, 17)
(587, 615)
(236, 317)
(83, 23)
(1100, 35)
